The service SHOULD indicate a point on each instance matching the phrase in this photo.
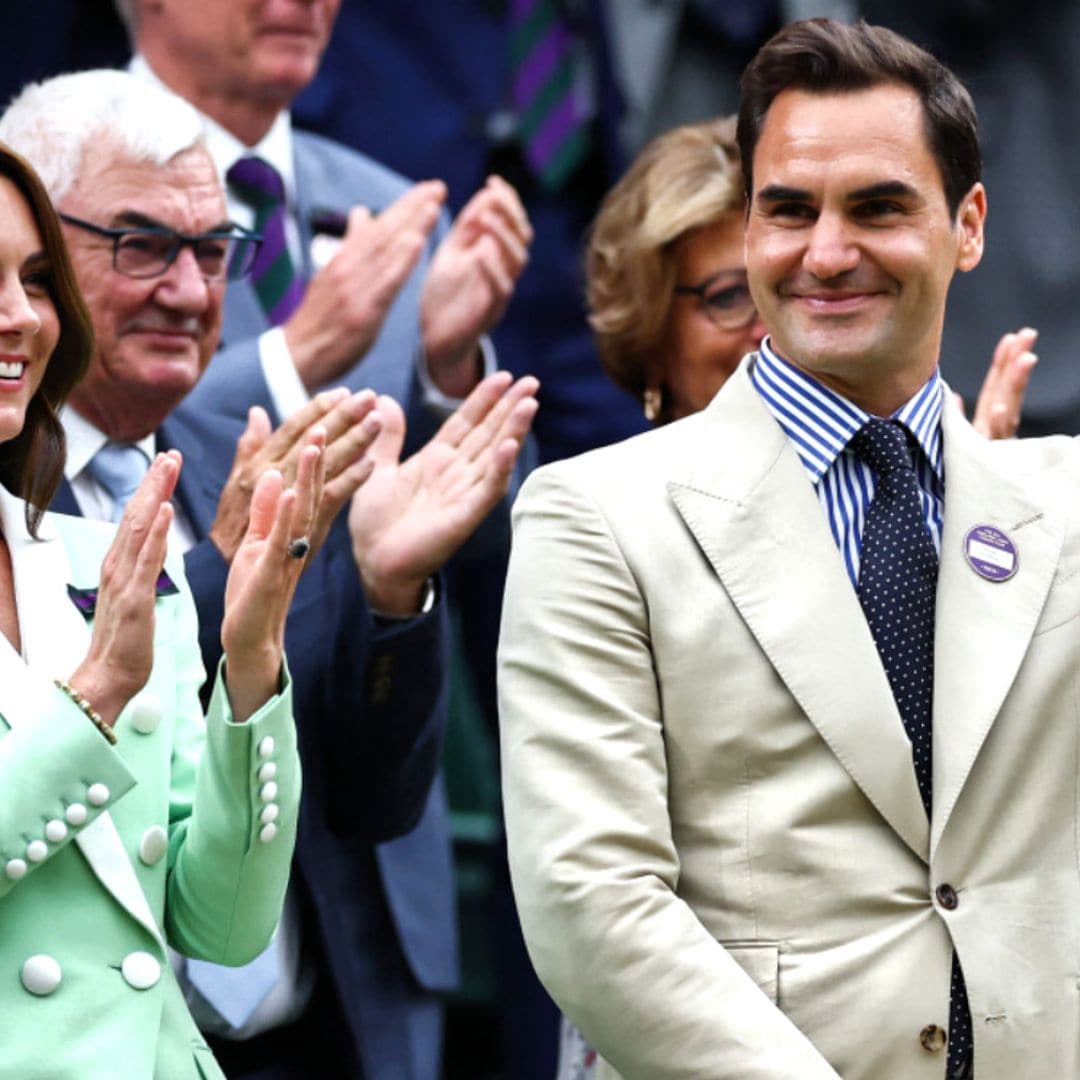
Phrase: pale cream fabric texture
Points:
(718, 850)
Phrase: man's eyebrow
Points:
(144, 221)
(774, 193)
(895, 189)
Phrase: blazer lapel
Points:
(757, 519)
(983, 627)
(55, 640)
(199, 487)
(64, 500)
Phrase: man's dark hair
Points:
(824, 56)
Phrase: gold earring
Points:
(652, 400)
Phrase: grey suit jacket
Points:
(413, 873)
(721, 862)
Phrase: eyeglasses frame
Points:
(181, 241)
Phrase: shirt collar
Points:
(275, 147)
(84, 440)
(820, 423)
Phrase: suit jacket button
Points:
(947, 898)
(266, 746)
(268, 792)
(268, 832)
(97, 794)
(269, 813)
(41, 974)
(267, 771)
(15, 869)
(154, 844)
(76, 814)
(55, 831)
(145, 713)
(37, 851)
(140, 970)
(933, 1038)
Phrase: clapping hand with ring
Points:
(263, 577)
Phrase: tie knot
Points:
(119, 469)
(256, 181)
(883, 445)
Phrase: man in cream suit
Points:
(739, 851)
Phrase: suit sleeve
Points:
(371, 694)
(233, 800)
(594, 865)
(56, 770)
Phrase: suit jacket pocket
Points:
(760, 960)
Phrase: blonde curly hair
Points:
(686, 178)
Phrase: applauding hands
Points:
(410, 517)
(262, 580)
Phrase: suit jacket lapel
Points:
(983, 628)
(757, 519)
(64, 500)
(199, 487)
(55, 640)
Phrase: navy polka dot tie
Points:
(897, 585)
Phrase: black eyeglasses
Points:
(725, 300)
(146, 251)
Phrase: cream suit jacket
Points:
(720, 858)
(109, 853)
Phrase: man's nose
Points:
(183, 286)
(830, 250)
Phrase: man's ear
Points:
(970, 220)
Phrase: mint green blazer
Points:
(109, 854)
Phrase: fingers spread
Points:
(483, 398)
(510, 416)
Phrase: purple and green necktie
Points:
(547, 69)
(273, 276)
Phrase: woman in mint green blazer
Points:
(127, 822)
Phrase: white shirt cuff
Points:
(287, 392)
(433, 396)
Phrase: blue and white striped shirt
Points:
(820, 424)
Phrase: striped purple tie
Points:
(277, 285)
(548, 69)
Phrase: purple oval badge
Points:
(990, 553)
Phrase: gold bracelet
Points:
(95, 716)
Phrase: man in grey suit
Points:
(788, 688)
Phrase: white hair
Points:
(51, 123)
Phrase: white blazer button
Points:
(267, 833)
(97, 794)
(154, 844)
(140, 970)
(15, 869)
(145, 713)
(268, 792)
(266, 746)
(37, 851)
(76, 814)
(268, 771)
(41, 974)
(55, 831)
(269, 813)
